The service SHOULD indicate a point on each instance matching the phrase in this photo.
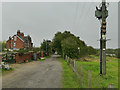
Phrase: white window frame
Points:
(15, 38)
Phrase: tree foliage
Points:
(67, 44)
(70, 47)
(58, 39)
(91, 50)
(2, 45)
(117, 52)
(45, 46)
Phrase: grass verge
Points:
(4, 72)
(69, 78)
(92, 63)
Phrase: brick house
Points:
(19, 41)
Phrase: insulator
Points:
(103, 27)
(104, 31)
(103, 23)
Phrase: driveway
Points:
(36, 74)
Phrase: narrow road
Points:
(36, 74)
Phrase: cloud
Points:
(42, 20)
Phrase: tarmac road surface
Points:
(36, 74)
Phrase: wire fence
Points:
(78, 69)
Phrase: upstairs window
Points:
(15, 38)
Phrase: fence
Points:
(20, 58)
(79, 72)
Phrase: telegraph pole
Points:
(102, 14)
(103, 32)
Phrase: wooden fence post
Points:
(89, 79)
(76, 67)
(74, 64)
(68, 60)
(81, 76)
(71, 61)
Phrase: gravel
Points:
(36, 74)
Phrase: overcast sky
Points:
(42, 20)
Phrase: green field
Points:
(91, 63)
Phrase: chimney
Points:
(9, 38)
(22, 34)
(18, 33)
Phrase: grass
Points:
(92, 64)
(4, 71)
(69, 78)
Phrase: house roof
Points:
(26, 38)
(20, 38)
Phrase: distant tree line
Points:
(117, 51)
(109, 51)
(114, 51)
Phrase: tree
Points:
(57, 42)
(2, 45)
(45, 46)
(70, 47)
(91, 50)
(58, 38)
(68, 44)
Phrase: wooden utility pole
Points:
(103, 38)
(102, 14)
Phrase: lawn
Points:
(91, 63)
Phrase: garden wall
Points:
(25, 57)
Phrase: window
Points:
(15, 38)
(14, 44)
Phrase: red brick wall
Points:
(19, 43)
(8, 44)
(22, 58)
